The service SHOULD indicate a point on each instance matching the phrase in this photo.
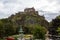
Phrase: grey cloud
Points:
(49, 15)
(12, 6)
(58, 1)
(2, 15)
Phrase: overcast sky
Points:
(49, 8)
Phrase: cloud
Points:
(48, 15)
(46, 7)
(51, 16)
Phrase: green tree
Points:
(2, 31)
(54, 25)
(6, 28)
(58, 30)
(39, 31)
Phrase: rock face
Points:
(28, 17)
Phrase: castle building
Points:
(30, 11)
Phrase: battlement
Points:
(29, 9)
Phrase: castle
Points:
(30, 11)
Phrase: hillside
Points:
(29, 16)
(28, 20)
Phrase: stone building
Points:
(29, 11)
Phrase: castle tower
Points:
(30, 11)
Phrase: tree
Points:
(31, 22)
(39, 31)
(6, 28)
(2, 31)
(58, 30)
(54, 25)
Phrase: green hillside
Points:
(29, 20)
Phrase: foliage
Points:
(2, 39)
(1, 29)
(39, 31)
(6, 28)
(31, 24)
(58, 30)
(54, 26)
